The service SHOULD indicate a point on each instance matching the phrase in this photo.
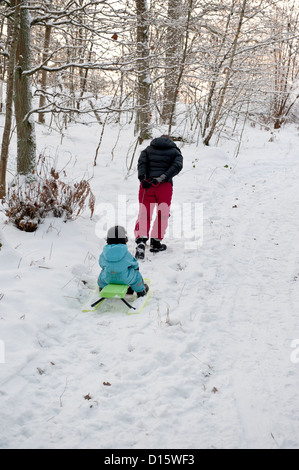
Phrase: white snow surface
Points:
(213, 359)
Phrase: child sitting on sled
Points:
(118, 265)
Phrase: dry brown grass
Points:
(28, 204)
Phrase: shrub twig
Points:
(29, 203)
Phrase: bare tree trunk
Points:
(286, 68)
(181, 71)
(26, 145)
(172, 59)
(215, 77)
(81, 47)
(9, 102)
(227, 76)
(42, 99)
(143, 73)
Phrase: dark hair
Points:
(117, 235)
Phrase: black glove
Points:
(145, 184)
(157, 180)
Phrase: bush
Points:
(29, 203)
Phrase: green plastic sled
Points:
(114, 291)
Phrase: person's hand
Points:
(145, 184)
(158, 180)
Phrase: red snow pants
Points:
(158, 197)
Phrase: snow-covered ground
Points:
(213, 359)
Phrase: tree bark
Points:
(227, 76)
(26, 142)
(172, 60)
(143, 73)
(42, 99)
(181, 69)
(14, 31)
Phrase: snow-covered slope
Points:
(211, 362)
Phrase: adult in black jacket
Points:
(157, 165)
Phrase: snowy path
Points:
(256, 303)
(206, 365)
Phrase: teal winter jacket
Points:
(119, 267)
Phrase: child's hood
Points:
(114, 253)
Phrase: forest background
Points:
(212, 66)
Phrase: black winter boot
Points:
(157, 246)
(140, 250)
(143, 292)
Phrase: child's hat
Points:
(117, 235)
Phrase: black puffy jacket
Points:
(162, 156)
